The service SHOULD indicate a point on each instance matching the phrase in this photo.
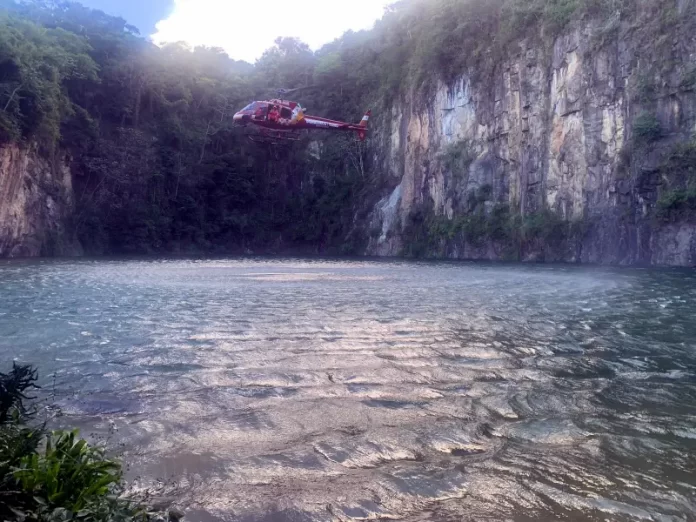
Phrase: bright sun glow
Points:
(246, 28)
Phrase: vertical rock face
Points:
(36, 204)
(551, 128)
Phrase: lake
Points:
(289, 389)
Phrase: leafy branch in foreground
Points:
(54, 476)
(13, 388)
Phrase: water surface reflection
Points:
(297, 390)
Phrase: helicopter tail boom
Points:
(362, 133)
(366, 119)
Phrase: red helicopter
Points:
(282, 120)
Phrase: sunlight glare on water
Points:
(262, 390)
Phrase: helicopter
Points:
(281, 120)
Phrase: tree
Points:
(36, 64)
(290, 63)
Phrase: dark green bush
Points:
(426, 234)
(14, 387)
(47, 477)
(69, 473)
(679, 166)
(689, 80)
(647, 128)
(677, 205)
(644, 87)
(557, 13)
(677, 200)
(546, 226)
(457, 157)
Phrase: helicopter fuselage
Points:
(282, 115)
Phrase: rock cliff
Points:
(36, 204)
(565, 132)
(583, 143)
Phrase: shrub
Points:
(426, 234)
(13, 392)
(647, 128)
(680, 165)
(676, 205)
(69, 473)
(546, 226)
(419, 239)
(678, 200)
(689, 80)
(557, 13)
(457, 157)
(554, 15)
(55, 476)
(475, 228)
(606, 33)
(644, 87)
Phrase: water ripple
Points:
(263, 390)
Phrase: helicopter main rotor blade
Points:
(282, 92)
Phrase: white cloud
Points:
(246, 28)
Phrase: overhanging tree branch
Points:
(14, 93)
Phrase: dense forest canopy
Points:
(158, 165)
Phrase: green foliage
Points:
(546, 226)
(329, 69)
(290, 63)
(605, 34)
(35, 65)
(677, 205)
(68, 474)
(16, 439)
(13, 392)
(419, 43)
(554, 15)
(56, 476)
(558, 13)
(647, 128)
(422, 233)
(644, 87)
(160, 166)
(426, 234)
(680, 164)
(688, 83)
(677, 200)
(457, 157)
(519, 16)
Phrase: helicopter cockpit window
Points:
(260, 111)
(250, 107)
(285, 113)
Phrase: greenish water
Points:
(299, 390)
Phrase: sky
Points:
(246, 28)
(143, 14)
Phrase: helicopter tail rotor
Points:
(366, 119)
(362, 134)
